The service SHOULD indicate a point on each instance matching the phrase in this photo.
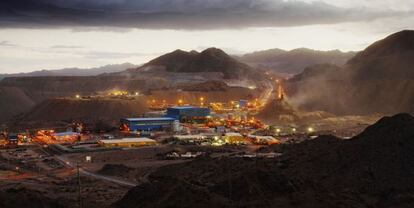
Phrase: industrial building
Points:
(266, 140)
(196, 137)
(3, 139)
(51, 137)
(67, 136)
(149, 124)
(127, 142)
(243, 103)
(234, 138)
(12, 140)
(189, 114)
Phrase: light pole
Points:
(79, 185)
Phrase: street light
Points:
(201, 101)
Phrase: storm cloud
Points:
(176, 14)
(7, 44)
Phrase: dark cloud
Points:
(175, 14)
(66, 47)
(7, 44)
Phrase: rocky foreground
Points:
(373, 169)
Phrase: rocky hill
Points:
(208, 61)
(13, 101)
(294, 61)
(379, 79)
(390, 58)
(74, 71)
(19, 94)
(22, 197)
(373, 169)
(279, 112)
(169, 71)
(85, 109)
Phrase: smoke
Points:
(322, 87)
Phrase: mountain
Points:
(379, 79)
(211, 60)
(96, 111)
(294, 61)
(74, 71)
(13, 101)
(314, 71)
(373, 169)
(175, 70)
(390, 58)
(19, 94)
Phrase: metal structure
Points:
(188, 113)
(147, 124)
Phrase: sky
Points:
(54, 34)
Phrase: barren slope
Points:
(379, 79)
(373, 169)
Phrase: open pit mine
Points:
(204, 129)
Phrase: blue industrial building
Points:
(147, 124)
(188, 113)
(243, 103)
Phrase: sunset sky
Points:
(53, 34)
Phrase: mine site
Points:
(201, 113)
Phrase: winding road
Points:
(85, 172)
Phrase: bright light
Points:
(180, 101)
(310, 130)
(252, 87)
(77, 96)
(278, 130)
(201, 99)
(294, 129)
(136, 93)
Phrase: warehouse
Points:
(234, 138)
(149, 124)
(189, 114)
(67, 137)
(266, 140)
(127, 142)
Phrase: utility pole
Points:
(229, 181)
(79, 187)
